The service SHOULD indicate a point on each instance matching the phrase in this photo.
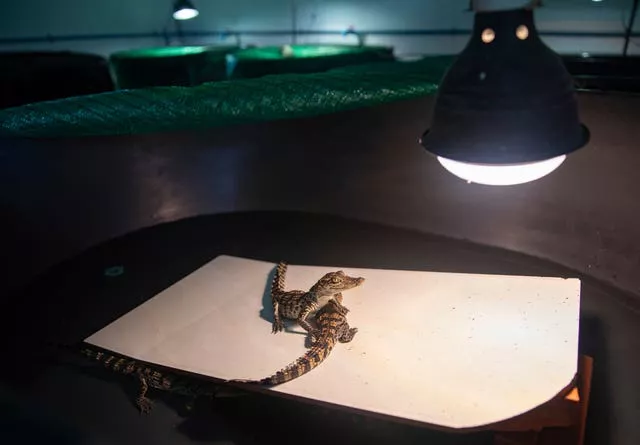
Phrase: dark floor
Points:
(76, 298)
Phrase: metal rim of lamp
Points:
(184, 10)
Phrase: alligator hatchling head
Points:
(335, 282)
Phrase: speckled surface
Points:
(504, 344)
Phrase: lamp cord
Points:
(628, 29)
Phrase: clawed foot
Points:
(349, 336)
(277, 327)
(313, 338)
(144, 405)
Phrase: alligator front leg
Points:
(302, 321)
(342, 309)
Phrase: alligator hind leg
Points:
(143, 403)
(347, 335)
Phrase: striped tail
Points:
(277, 286)
(313, 357)
(121, 364)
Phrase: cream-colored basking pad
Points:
(448, 349)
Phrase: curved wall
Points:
(61, 196)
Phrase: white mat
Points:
(454, 350)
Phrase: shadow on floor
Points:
(266, 313)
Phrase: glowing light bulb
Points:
(509, 174)
(185, 14)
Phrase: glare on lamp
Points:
(506, 111)
(184, 10)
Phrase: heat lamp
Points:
(506, 111)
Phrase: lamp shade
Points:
(184, 10)
(507, 99)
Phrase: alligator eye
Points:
(335, 280)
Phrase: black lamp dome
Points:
(507, 99)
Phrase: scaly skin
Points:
(299, 305)
(333, 327)
(149, 378)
